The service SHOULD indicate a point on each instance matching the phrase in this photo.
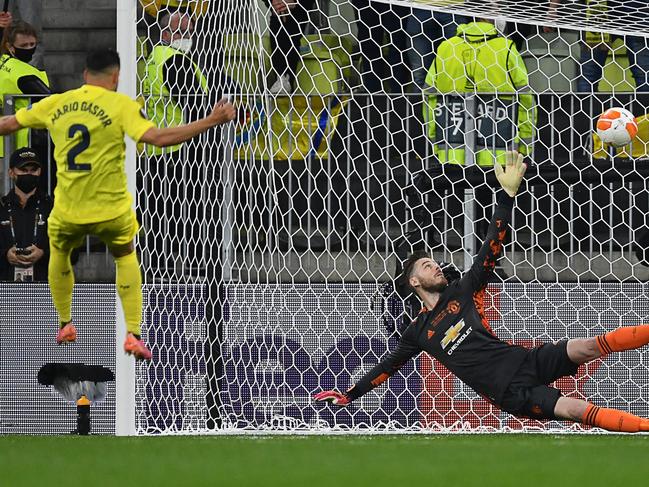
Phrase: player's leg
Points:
(592, 60)
(61, 280)
(545, 402)
(624, 338)
(554, 360)
(582, 350)
(118, 235)
(63, 238)
(581, 411)
(128, 280)
(129, 288)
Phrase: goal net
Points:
(365, 130)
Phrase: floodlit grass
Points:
(521, 460)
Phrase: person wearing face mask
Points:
(151, 11)
(31, 11)
(17, 75)
(24, 245)
(174, 86)
(174, 90)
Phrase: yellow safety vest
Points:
(161, 108)
(597, 11)
(197, 7)
(479, 61)
(11, 70)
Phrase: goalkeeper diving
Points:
(87, 126)
(453, 328)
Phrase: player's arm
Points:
(510, 179)
(406, 349)
(222, 113)
(9, 124)
(34, 117)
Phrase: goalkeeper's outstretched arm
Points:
(406, 349)
(510, 179)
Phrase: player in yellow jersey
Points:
(87, 126)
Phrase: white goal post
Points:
(124, 367)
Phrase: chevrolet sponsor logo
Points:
(460, 340)
(451, 334)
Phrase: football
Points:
(617, 127)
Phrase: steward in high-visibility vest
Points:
(597, 46)
(172, 83)
(597, 12)
(196, 7)
(17, 76)
(502, 113)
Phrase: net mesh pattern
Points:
(283, 342)
(367, 129)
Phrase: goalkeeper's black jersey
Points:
(456, 332)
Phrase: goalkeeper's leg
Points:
(582, 350)
(609, 419)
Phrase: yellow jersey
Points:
(87, 126)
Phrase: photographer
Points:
(24, 246)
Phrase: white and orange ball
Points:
(617, 127)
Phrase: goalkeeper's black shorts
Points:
(528, 394)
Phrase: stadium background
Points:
(315, 192)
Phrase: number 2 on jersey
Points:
(77, 149)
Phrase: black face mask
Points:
(26, 182)
(24, 55)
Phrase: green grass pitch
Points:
(521, 460)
